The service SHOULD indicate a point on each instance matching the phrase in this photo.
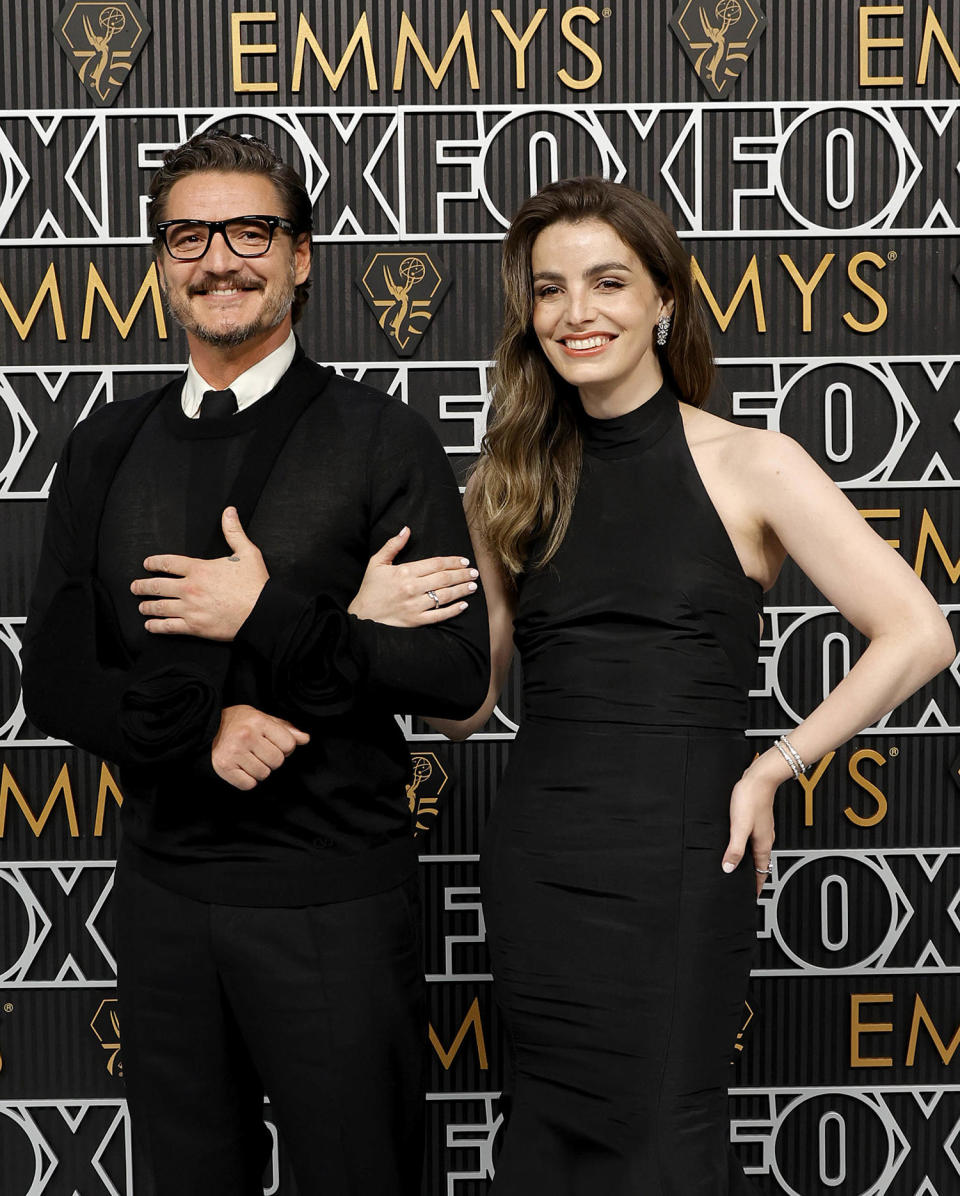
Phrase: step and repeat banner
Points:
(809, 154)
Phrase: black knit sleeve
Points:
(77, 683)
(316, 670)
(325, 660)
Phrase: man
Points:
(266, 904)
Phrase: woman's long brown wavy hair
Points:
(524, 484)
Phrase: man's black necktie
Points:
(215, 404)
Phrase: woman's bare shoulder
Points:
(756, 451)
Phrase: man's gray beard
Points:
(272, 315)
(236, 336)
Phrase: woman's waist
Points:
(636, 707)
(563, 725)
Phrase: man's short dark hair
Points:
(220, 149)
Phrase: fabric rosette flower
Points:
(317, 670)
(169, 712)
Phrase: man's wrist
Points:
(273, 614)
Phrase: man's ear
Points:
(303, 258)
(161, 277)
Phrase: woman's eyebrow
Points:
(604, 268)
(590, 272)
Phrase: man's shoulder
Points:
(350, 392)
(115, 419)
(385, 413)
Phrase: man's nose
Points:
(219, 255)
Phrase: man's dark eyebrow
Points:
(592, 272)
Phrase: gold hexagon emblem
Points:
(404, 290)
(718, 37)
(105, 1025)
(102, 42)
(423, 793)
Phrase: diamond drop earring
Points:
(663, 330)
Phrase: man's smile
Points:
(224, 290)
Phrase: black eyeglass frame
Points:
(220, 226)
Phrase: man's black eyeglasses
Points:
(246, 236)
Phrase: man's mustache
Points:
(215, 282)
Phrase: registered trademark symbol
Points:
(894, 751)
(8, 1008)
(606, 12)
(891, 255)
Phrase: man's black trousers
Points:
(322, 1008)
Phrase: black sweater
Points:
(140, 478)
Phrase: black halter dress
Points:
(619, 947)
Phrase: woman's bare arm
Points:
(501, 607)
(869, 583)
(808, 518)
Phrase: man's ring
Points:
(436, 601)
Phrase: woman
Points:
(624, 538)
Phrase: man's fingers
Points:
(300, 737)
(233, 531)
(163, 608)
(281, 737)
(157, 587)
(167, 627)
(179, 565)
(237, 778)
(253, 766)
(269, 754)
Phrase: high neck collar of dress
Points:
(634, 430)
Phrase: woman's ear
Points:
(666, 298)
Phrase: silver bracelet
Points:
(792, 756)
(789, 759)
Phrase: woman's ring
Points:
(763, 871)
(436, 601)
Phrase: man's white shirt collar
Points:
(251, 385)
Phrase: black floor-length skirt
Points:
(621, 953)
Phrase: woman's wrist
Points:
(769, 767)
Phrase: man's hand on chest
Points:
(206, 598)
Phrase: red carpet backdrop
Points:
(808, 153)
